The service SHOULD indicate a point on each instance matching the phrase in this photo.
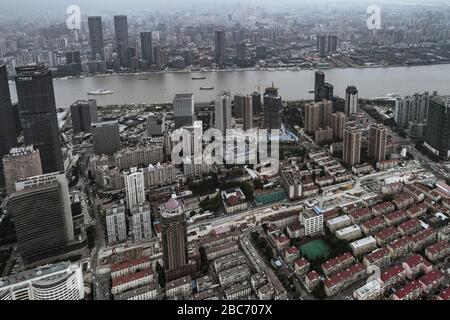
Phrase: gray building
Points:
(106, 137)
(183, 109)
(37, 110)
(147, 47)
(437, 135)
(272, 109)
(83, 113)
(156, 124)
(8, 137)
(96, 36)
(141, 222)
(42, 216)
(121, 34)
(115, 223)
(219, 48)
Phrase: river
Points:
(161, 87)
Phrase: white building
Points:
(115, 224)
(370, 291)
(222, 111)
(134, 186)
(363, 245)
(60, 281)
(312, 222)
(141, 222)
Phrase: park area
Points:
(315, 249)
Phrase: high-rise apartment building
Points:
(134, 186)
(115, 223)
(318, 115)
(37, 111)
(21, 163)
(352, 146)
(272, 109)
(377, 142)
(96, 37)
(83, 114)
(411, 113)
(319, 82)
(338, 125)
(141, 221)
(156, 124)
(247, 112)
(256, 102)
(437, 134)
(351, 100)
(183, 109)
(222, 111)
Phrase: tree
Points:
(255, 235)
(258, 184)
(388, 197)
(319, 291)
(161, 275)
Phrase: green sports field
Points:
(314, 249)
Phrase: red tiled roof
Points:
(282, 239)
(301, 262)
(373, 222)
(292, 250)
(383, 206)
(438, 247)
(129, 264)
(378, 254)
(344, 275)
(312, 275)
(391, 272)
(386, 233)
(396, 215)
(431, 277)
(337, 260)
(132, 276)
(414, 261)
(233, 200)
(407, 289)
(361, 213)
(417, 208)
(422, 235)
(399, 243)
(445, 294)
(410, 224)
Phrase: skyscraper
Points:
(377, 142)
(121, 33)
(272, 109)
(96, 36)
(412, 112)
(319, 82)
(37, 111)
(141, 222)
(147, 46)
(338, 125)
(183, 109)
(174, 236)
(437, 134)
(134, 186)
(222, 111)
(21, 163)
(8, 137)
(219, 48)
(248, 113)
(321, 45)
(106, 137)
(332, 43)
(256, 102)
(43, 219)
(318, 115)
(238, 105)
(351, 100)
(352, 146)
(83, 114)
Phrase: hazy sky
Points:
(21, 8)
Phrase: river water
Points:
(161, 87)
